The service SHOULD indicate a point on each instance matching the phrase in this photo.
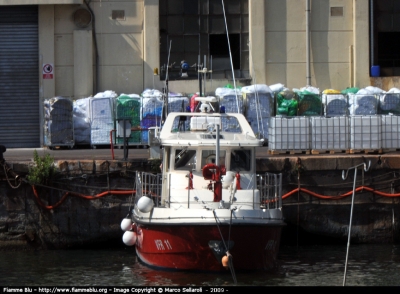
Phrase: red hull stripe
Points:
(187, 247)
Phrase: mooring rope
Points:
(230, 261)
(8, 180)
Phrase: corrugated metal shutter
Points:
(19, 77)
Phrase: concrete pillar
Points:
(46, 56)
(46, 48)
(361, 43)
(257, 41)
(151, 44)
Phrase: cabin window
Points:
(230, 124)
(181, 124)
(240, 160)
(185, 123)
(208, 156)
(185, 159)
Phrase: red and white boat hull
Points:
(200, 247)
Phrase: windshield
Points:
(240, 160)
(208, 156)
(185, 159)
(182, 123)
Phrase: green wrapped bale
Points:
(287, 103)
(128, 107)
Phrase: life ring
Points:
(208, 173)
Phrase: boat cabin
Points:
(204, 150)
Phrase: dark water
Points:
(322, 265)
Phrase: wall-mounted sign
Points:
(48, 71)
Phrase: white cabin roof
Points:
(197, 134)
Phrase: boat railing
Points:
(150, 185)
(270, 187)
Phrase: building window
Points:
(385, 36)
(192, 33)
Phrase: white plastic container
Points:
(390, 132)
(289, 133)
(200, 123)
(365, 132)
(330, 133)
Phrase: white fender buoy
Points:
(145, 204)
(129, 238)
(228, 179)
(126, 224)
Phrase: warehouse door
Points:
(19, 77)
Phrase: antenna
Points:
(165, 104)
(230, 56)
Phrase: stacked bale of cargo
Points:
(290, 129)
(232, 100)
(127, 116)
(365, 133)
(101, 117)
(310, 103)
(178, 103)
(330, 133)
(287, 103)
(289, 134)
(81, 115)
(151, 111)
(389, 107)
(259, 103)
(365, 123)
(58, 125)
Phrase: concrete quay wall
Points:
(77, 222)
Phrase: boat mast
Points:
(218, 184)
(166, 96)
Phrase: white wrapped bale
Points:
(231, 99)
(260, 107)
(81, 115)
(363, 104)
(178, 104)
(151, 111)
(335, 104)
(102, 119)
(389, 102)
(58, 125)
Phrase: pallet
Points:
(387, 150)
(60, 146)
(328, 151)
(94, 146)
(291, 152)
(365, 151)
(131, 146)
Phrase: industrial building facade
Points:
(77, 48)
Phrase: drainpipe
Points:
(308, 70)
(96, 74)
(371, 31)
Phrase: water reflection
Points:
(368, 265)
